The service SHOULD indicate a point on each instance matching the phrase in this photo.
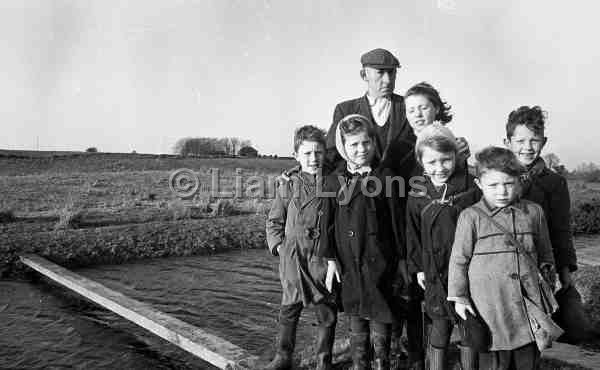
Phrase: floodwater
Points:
(234, 295)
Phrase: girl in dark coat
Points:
(432, 214)
(362, 242)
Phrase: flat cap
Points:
(379, 58)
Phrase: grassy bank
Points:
(117, 244)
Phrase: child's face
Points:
(420, 113)
(499, 189)
(526, 144)
(310, 156)
(359, 148)
(437, 165)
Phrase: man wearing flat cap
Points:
(385, 109)
(395, 142)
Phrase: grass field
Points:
(78, 208)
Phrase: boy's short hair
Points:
(308, 133)
(355, 123)
(499, 159)
(534, 118)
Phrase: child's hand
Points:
(421, 279)
(564, 275)
(461, 310)
(463, 147)
(332, 271)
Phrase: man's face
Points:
(380, 82)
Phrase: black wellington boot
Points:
(381, 350)
(437, 358)
(285, 349)
(469, 358)
(359, 345)
(325, 338)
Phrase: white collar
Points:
(373, 101)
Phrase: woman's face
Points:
(420, 112)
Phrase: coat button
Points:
(514, 276)
(350, 233)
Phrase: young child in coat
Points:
(487, 273)
(293, 234)
(525, 137)
(363, 242)
(432, 214)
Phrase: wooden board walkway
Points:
(208, 347)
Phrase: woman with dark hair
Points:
(424, 106)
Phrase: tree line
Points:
(214, 146)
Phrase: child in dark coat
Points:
(432, 214)
(293, 234)
(525, 137)
(363, 242)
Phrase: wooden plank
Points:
(208, 347)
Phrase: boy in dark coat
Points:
(432, 214)
(363, 242)
(293, 234)
(525, 137)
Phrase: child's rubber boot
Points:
(469, 358)
(381, 350)
(359, 345)
(325, 338)
(436, 358)
(285, 349)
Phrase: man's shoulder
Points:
(349, 105)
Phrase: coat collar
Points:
(517, 206)
(457, 183)
(304, 188)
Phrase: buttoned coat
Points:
(550, 190)
(293, 226)
(431, 222)
(487, 269)
(361, 234)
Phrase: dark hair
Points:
(439, 143)
(308, 133)
(534, 118)
(498, 159)
(425, 89)
(354, 124)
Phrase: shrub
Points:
(585, 217)
(92, 149)
(248, 151)
(224, 207)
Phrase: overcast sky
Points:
(140, 74)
